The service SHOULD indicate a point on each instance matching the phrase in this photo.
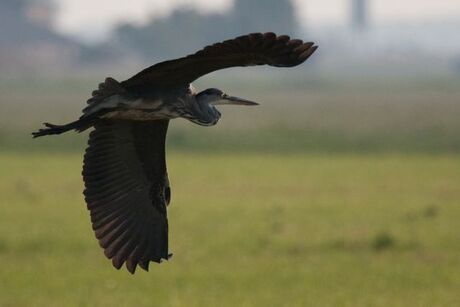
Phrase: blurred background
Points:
(341, 188)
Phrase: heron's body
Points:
(126, 183)
(118, 104)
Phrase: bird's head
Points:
(204, 111)
(214, 96)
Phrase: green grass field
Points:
(330, 193)
(255, 229)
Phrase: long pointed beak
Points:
(231, 100)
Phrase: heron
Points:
(127, 188)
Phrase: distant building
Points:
(359, 14)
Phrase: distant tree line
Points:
(186, 30)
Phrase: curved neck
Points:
(202, 112)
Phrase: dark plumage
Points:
(247, 50)
(126, 181)
(127, 190)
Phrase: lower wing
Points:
(127, 191)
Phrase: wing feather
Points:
(247, 50)
(125, 182)
(131, 241)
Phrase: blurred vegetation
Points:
(309, 115)
(164, 38)
(333, 192)
(246, 230)
(343, 193)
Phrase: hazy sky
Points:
(94, 18)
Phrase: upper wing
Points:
(127, 191)
(247, 50)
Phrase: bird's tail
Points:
(78, 125)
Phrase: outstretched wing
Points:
(247, 50)
(127, 191)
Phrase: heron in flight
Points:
(126, 182)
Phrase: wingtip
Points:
(144, 265)
(313, 49)
(117, 263)
(131, 266)
(307, 53)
